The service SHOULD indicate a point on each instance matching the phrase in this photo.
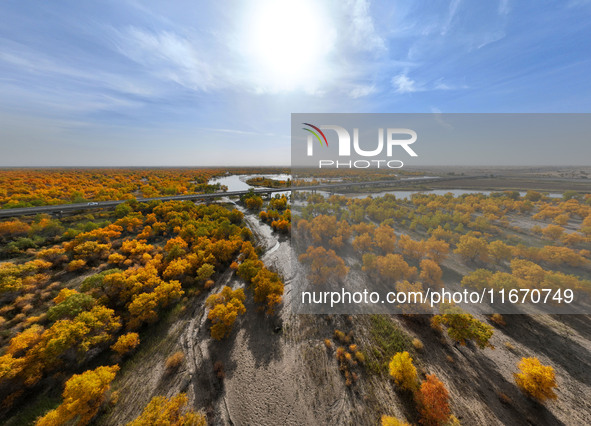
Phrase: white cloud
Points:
(403, 84)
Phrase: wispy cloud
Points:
(361, 91)
(364, 34)
(238, 132)
(504, 7)
(402, 84)
(453, 9)
(170, 57)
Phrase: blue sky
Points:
(153, 83)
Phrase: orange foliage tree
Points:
(324, 264)
(433, 401)
(391, 267)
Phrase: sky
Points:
(187, 83)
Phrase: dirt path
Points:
(269, 377)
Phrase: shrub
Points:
(339, 335)
(417, 344)
(126, 343)
(218, 368)
(504, 398)
(386, 340)
(498, 319)
(75, 265)
(70, 303)
(174, 361)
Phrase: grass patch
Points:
(31, 410)
(386, 339)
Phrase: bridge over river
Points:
(60, 209)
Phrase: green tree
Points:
(462, 326)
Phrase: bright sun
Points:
(288, 42)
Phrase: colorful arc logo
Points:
(314, 133)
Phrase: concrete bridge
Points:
(329, 187)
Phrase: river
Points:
(238, 183)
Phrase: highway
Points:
(65, 208)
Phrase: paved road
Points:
(64, 208)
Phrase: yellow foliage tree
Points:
(430, 272)
(385, 238)
(83, 396)
(403, 371)
(535, 379)
(392, 421)
(268, 289)
(553, 232)
(163, 411)
(391, 267)
(471, 247)
(499, 251)
(436, 249)
(126, 343)
(224, 308)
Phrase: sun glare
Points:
(288, 43)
